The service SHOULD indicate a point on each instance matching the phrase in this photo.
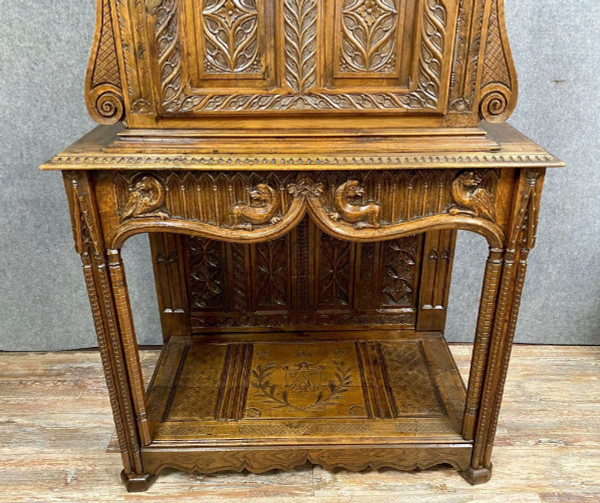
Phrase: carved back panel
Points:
(183, 63)
(304, 280)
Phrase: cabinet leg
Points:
(107, 293)
(137, 483)
(477, 476)
(500, 302)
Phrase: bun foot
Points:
(136, 482)
(477, 476)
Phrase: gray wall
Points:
(43, 305)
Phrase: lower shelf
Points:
(355, 399)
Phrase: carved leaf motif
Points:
(300, 43)
(231, 36)
(369, 29)
(400, 270)
(335, 271)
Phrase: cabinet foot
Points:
(136, 482)
(477, 476)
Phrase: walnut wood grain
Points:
(303, 168)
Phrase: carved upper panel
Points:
(189, 58)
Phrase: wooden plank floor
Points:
(55, 425)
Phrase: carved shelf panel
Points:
(279, 386)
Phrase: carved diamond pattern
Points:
(496, 68)
(413, 388)
(106, 70)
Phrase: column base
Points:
(477, 476)
(136, 482)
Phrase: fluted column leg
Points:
(498, 313)
(112, 321)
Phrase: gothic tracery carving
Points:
(300, 63)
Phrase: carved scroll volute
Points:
(262, 209)
(146, 198)
(349, 207)
(103, 88)
(472, 197)
(498, 77)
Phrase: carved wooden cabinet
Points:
(302, 168)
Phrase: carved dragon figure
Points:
(471, 198)
(262, 209)
(347, 209)
(146, 197)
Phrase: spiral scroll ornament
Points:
(108, 105)
(496, 104)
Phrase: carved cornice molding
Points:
(306, 162)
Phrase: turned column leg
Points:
(498, 313)
(112, 320)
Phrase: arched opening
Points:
(242, 348)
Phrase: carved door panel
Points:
(214, 56)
